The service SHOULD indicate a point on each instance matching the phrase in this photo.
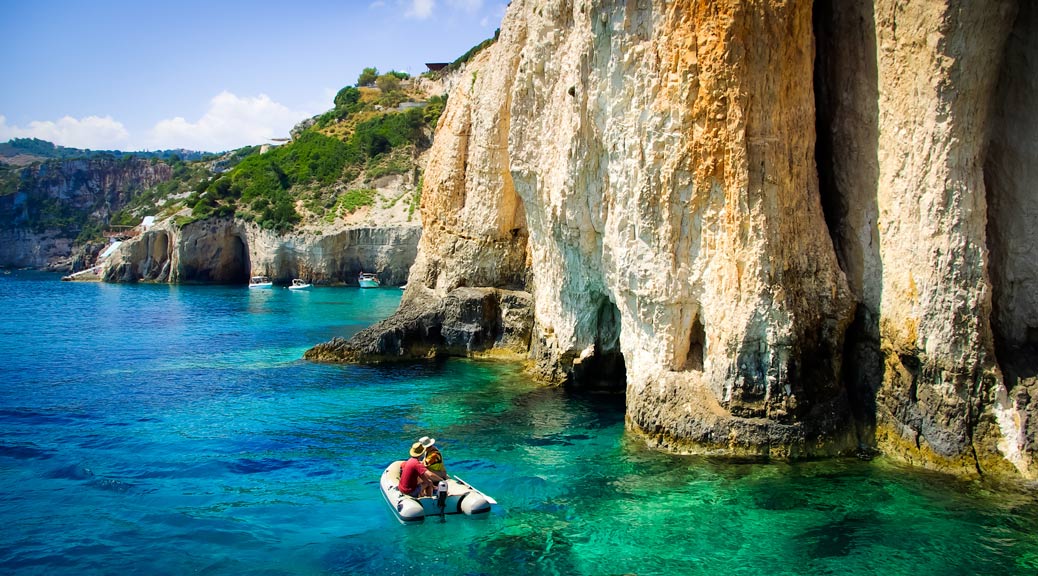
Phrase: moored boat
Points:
(299, 284)
(368, 280)
(260, 282)
(461, 498)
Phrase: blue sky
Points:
(208, 75)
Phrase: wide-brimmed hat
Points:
(426, 441)
(417, 449)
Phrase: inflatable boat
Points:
(453, 496)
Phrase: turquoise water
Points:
(175, 430)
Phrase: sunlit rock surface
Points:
(783, 228)
(228, 251)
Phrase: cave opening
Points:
(156, 265)
(604, 370)
(238, 268)
(696, 342)
(846, 98)
(226, 263)
(832, 206)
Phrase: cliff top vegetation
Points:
(27, 150)
(376, 128)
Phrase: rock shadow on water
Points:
(535, 546)
(80, 473)
(112, 485)
(780, 500)
(21, 416)
(842, 537)
(261, 466)
(25, 452)
(71, 472)
(370, 553)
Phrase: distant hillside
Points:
(359, 164)
(23, 151)
(359, 157)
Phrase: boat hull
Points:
(462, 498)
(260, 282)
(369, 283)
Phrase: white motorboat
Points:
(299, 284)
(260, 282)
(368, 280)
(460, 498)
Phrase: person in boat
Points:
(433, 461)
(415, 478)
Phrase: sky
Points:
(208, 75)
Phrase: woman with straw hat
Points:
(433, 458)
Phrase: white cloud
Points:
(419, 9)
(94, 132)
(230, 122)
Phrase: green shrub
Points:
(387, 83)
(398, 161)
(123, 218)
(472, 52)
(392, 99)
(90, 232)
(416, 198)
(355, 199)
(434, 109)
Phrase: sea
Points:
(156, 429)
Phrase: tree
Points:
(367, 77)
(347, 96)
(388, 83)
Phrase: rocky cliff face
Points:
(228, 251)
(785, 228)
(24, 248)
(914, 113)
(39, 221)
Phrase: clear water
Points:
(175, 430)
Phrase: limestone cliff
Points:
(229, 251)
(793, 228)
(41, 216)
(917, 125)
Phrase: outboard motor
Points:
(441, 496)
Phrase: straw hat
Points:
(417, 449)
(426, 441)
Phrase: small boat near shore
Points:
(299, 284)
(368, 280)
(461, 498)
(260, 282)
